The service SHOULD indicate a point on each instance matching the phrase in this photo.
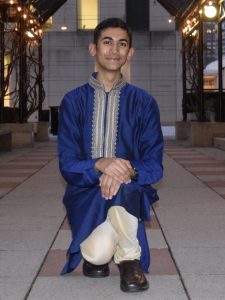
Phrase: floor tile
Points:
(205, 287)
(19, 290)
(161, 263)
(196, 238)
(8, 185)
(200, 260)
(80, 288)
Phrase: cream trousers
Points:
(117, 237)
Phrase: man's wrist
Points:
(134, 175)
(96, 166)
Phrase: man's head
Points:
(111, 23)
(112, 46)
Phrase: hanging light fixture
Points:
(210, 10)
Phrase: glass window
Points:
(191, 60)
(87, 13)
(223, 55)
(210, 70)
(6, 76)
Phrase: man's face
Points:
(112, 50)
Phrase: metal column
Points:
(184, 101)
(23, 74)
(40, 81)
(200, 74)
(2, 56)
(220, 73)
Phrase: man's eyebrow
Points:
(110, 38)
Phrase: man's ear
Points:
(92, 49)
(130, 54)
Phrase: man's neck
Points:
(108, 79)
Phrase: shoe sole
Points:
(134, 289)
(95, 276)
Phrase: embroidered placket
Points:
(105, 119)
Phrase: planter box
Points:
(41, 131)
(199, 134)
(22, 134)
(5, 140)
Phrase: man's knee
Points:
(122, 220)
(101, 245)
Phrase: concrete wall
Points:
(156, 65)
(159, 18)
(67, 63)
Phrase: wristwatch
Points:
(135, 175)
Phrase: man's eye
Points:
(123, 44)
(107, 42)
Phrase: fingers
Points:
(106, 184)
(124, 167)
(109, 186)
(118, 174)
(119, 169)
(128, 164)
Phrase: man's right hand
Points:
(118, 168)
(109, 186)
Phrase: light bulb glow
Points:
(30, 34)
(210, 11)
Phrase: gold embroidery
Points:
(105, 122)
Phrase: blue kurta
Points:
(124, 123)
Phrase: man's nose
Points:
(114, 48)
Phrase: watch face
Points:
(135, 176)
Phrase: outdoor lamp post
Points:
(203, 40)
(210, 10)
(20, 38)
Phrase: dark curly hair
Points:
(111, 23)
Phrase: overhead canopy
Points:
(178, 8)
(41, 9)
(44, 9)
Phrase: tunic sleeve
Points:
(149, 166)
(75, 170)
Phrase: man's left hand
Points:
(109, 186)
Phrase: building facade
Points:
(156, 66)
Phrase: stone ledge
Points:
(22, 134)
(199, 134)
(5, 140)
(219, 143)
(41, 131)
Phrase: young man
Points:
(110, 152)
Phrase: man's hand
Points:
(117, 168)
(109, 186)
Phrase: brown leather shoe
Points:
(91, 270)
(132, 279)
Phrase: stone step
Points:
(219, 143)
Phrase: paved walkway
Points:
(186, 235)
